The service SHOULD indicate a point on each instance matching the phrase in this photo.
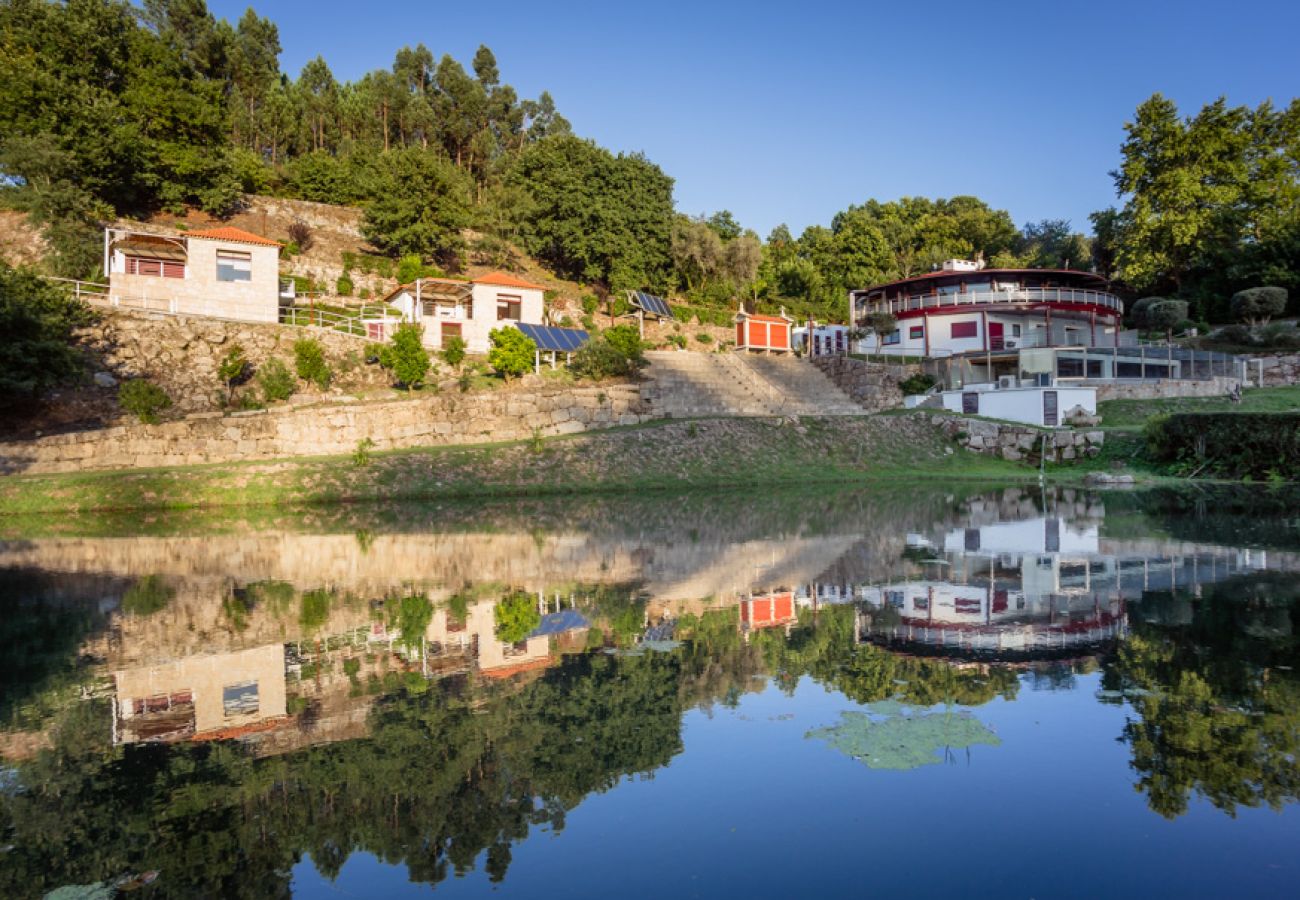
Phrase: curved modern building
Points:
(966, 308)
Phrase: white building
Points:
(1015, 402)
(222, 272)
(448, 307)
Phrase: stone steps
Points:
(685, 384)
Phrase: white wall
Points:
(477, 327)
(1023, 404)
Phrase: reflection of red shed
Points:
(768, 610)
(759, 332)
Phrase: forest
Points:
(111, 109)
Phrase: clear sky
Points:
(790, 112)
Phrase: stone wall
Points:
(872, 385)
(1278, 370)
(1156, 390)
(181, 354)
(445, 418)
(1021, 442)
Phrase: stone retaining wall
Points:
(446, 418)
(874, 386)
(1155, 390)
(1278, 370)
(1021, 442)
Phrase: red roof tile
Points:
(757, 317)
(506, 280)
(230, 233)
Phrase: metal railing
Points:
(1015, 297)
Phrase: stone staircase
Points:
(684, 385)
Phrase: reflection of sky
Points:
(753, 808)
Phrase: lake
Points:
(900, 691)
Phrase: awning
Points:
(152, 247)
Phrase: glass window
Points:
(965, 329)
(893, 337)
(509, 308)
(916, 332)
(233, 265)
(239, 699)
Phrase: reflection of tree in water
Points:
(1213, 684)
(443, 777)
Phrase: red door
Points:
(995, 336)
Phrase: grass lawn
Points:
(1133, 414)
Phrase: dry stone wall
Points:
(181, 354)
(1021, 442)
(1157, 390)
(1278, 370)
(446, 418)
(873, 386)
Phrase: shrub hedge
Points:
(1259, 446)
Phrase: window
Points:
(894, 337)
(239, 699)
(509, 308)
(1015, 330)
(159, 268)
(965, 329)
(234, 265)
(916, 332)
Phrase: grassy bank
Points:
(1133, 414)
(660, 456)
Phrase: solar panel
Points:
(656, 306)
(547, 337)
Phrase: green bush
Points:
(411, 267)
(1228, 445)
(597, 358)
(276, 381)
(516, 616)
(147, 596)
(513, 352)
(309, 361)
(626, 339)
(406, 357)
(677, 340)
(1259, 304)
(143, 399)
(37, 348)
(590, 303)
(916, 384)
(704, 338)
(343, 286)
(233, 369)
(453, 351)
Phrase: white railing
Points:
(1018, 296)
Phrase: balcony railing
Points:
(1017, 297)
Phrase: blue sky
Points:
(790, 112)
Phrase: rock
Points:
(105, 380)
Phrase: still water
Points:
(899, 692)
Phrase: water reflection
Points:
(216, 705)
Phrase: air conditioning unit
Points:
(1006, 381)
(1010, 343)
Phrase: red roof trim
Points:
(502, 279)
(982, 272)
(1001, 309)
(230, 233)
(758, 317)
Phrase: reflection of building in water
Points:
(772, 610)
(223, 695)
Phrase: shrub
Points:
(512, 353)
(704, 338)
(309, 361)
(516, 616)
(361, 455)
(1240, 335)
(343, 286)
(916, 384)
(453, 351)
(300, 233)
(276, 381)
(677, 340)
(37, 348)
(411, 267)
(590, 303)
(1259, 304)
(1165, 315)
(232, 369)
(147, 596)
(597, 358)
(1137, 311)
(406, 357)
(626, 339)
(1232, 445)
(143, 399)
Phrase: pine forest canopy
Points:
(111, 109)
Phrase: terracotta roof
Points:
(506, 280)
(758, 317)
(230, 233)
(508, 670)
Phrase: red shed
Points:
(770, 334)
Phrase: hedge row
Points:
(1229, 445)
